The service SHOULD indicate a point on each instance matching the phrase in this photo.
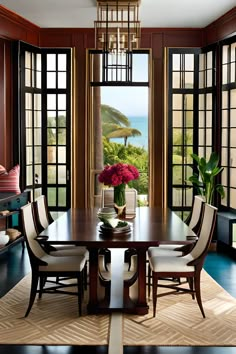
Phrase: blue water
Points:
(140, 123)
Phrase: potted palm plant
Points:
(205, 180)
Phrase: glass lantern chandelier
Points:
(117, 34)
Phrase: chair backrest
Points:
(31, 232)
(43, 217)
(196, 215)
(130, 196)
(206, 231)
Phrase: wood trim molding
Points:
(17, 19)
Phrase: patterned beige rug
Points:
(178, 320)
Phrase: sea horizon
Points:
(140, 123)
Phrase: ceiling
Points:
(153, 13)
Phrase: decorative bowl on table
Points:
(110, 223)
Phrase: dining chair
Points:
(188, 266)
(44, 265)
(194, 224)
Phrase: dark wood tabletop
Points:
(149, 227)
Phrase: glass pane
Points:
(62, 102)
(233, 51)
(188, 152)
(37, 136)
(61, 174)
(233, 137)
(51, 120)
(209, 118)
(176, 61)
(62, 62)
(62, 80)
(51, 101)
(232, 72)
(61, 154)
(28, 119)
(52, 175)
(177, 136)
(209, 78)
(51, 62)
(177, 196)
(51, 156)
(28, 137)
(233, 118)
(201, 103)
(188, 102)
(201, 119)
(224, 177)
(209, 101)
(61, 136)
(177, 175)
(201, 138)
(51, 136)
(38, 174)
(224, 118)
(177, 155)
(233, 177)
(233, 157)
(28, 101)
(27, 77)
(232, 198)
(208, 137)
(202, 61)
(224, 157)
(209, 60)
(224, 99)
(62, 197)
(189, 62)
(176, 80)
(37, 192)
(37, 119)
(38, 62)
(233, 98)
(62, 119)
(51, 80)
(37, 101)
(28, 60)
(37, 154)
(52, 197)
(29, 154)
(29, 175)
(225, 54)
(188, 137)
(224, 135)
(189, 119)
(140, 67)
(38, 79)
(224, 74)
(188, 80)
(177, 101)
(225, 200)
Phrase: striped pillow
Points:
(9, 181)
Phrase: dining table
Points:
(150, 226)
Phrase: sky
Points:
(131, 101)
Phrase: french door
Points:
(44, 115)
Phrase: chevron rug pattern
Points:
(178, 320)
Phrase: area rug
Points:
(55, 321)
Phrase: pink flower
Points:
(117, 174)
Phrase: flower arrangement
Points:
(119, 173)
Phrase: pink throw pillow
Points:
(9, 181)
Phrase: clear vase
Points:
(119, 200)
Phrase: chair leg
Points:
(198, 293)
(149, 280)
(154, 292)
(33, 292)
(190, 281)
(85, 276)
(80, 291)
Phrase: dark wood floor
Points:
(14, 265)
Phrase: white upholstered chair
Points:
(188, 266)
(45, 265)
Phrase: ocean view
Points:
(140, 123)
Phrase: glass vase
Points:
(119, 200)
